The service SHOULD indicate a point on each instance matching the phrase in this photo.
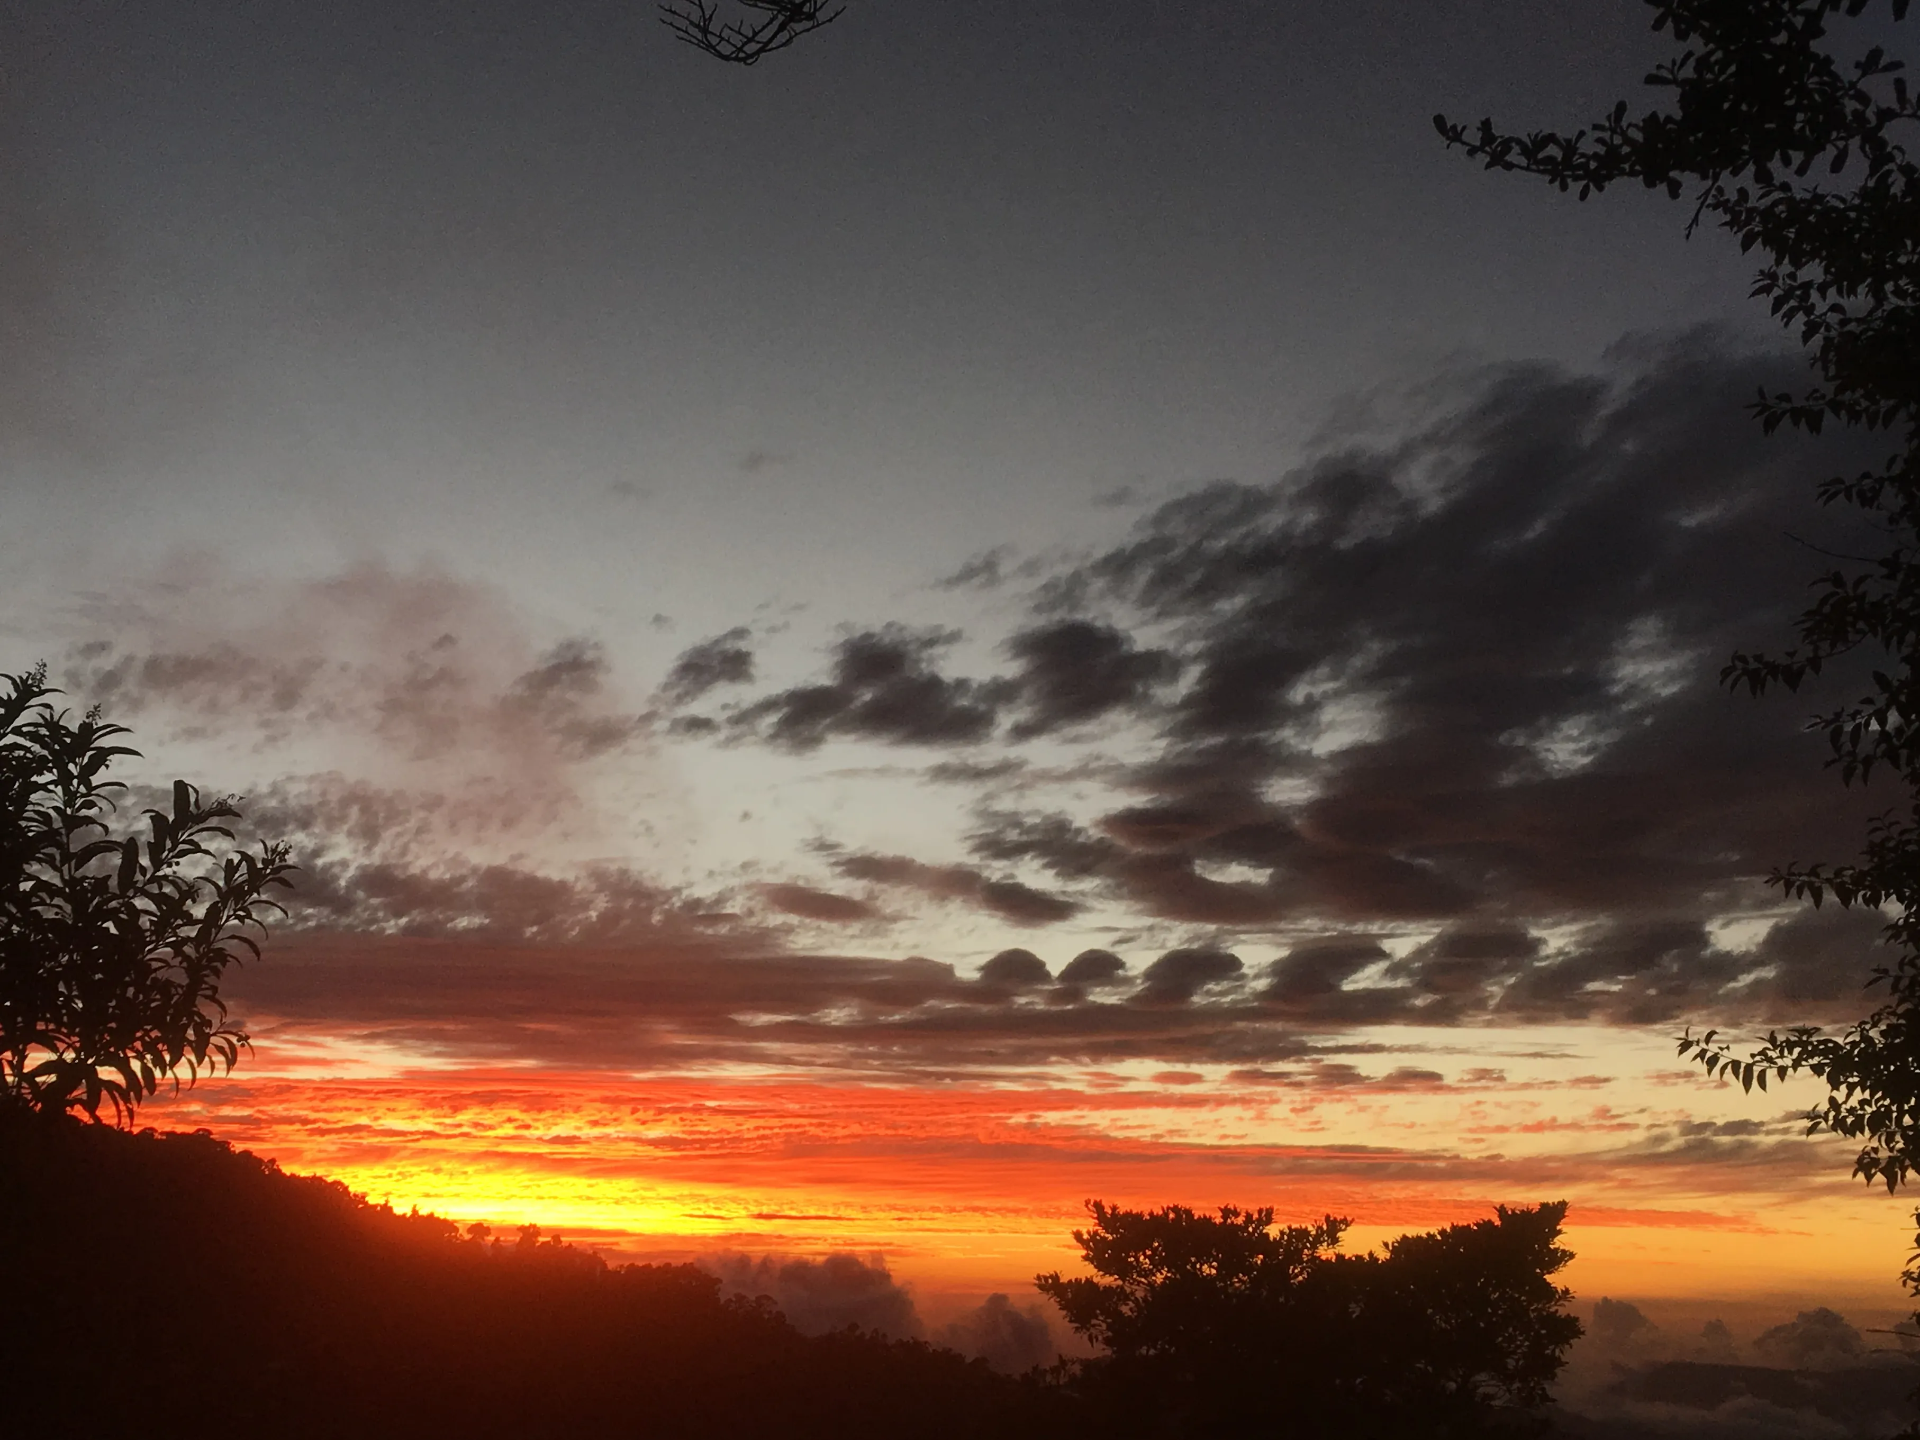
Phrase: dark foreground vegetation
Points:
(168, 1285)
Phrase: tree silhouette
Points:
(1799, 153)
(112, 948)
(1221, 1324)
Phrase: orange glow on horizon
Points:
(975, 1187)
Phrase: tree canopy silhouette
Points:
(1223, 1324)
(1799, 153)
(112, 947)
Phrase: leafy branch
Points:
(113, 947)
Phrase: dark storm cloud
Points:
(1009, 899)
(1637, 971)
(1812, 966)
(606, 968)
(724, 660)
(1456, 689)
(1472, 960)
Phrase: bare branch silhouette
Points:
(745, 40)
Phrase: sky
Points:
(1018, 604)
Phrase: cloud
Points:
(809, 904)
(723, 660)
(1811, 1378)
(1177, 976)
(1076, 671)
(494, 903)
(1339, 1075)
(1011, 900)
(1015, 970)
(983, 571)
(884, 687)
(417, 661)
(1463, 680)
(819, 1296)
(1311, 978)
(1492, 644)
(610, 970)
(975, 772)
(1618, 1325)
(1094, 968)
(1819, 1339)
(562, 691)
(1010, 1339)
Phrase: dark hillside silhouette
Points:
(162, 1284)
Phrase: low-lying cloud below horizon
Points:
(1811, 1376)
(833, 1292)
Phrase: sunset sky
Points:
(1021, 603)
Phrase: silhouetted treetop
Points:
(1224, 1324)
